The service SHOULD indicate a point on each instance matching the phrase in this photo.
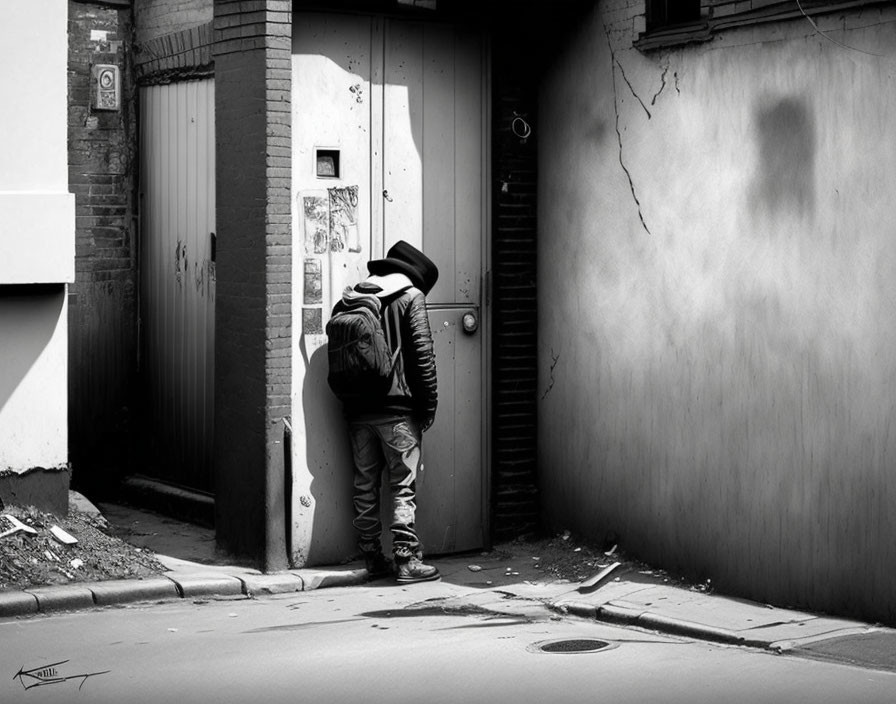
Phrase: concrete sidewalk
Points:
(711, 617)
(509, 583)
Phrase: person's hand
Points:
(426, 422)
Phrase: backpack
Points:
(361, 363)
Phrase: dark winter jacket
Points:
(414, 385)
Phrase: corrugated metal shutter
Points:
(178, 279)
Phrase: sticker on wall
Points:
(312, 321)
(344, 234)
(314, 292)
(317, 223)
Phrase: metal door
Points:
(177, 271)
(434, 197)
(397, 110)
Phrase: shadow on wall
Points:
(785, 177)
(329, 462)
(29, 316)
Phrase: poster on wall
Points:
(312, 321)
(344, 235)
(316, 211)
(330, 232)
(313, 284)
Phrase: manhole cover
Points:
(572, 645)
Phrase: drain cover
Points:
(572, 645)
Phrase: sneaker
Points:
(413, 570)
(378, 565)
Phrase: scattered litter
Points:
(62, 536)
(474, 568)
(51, 555)
(232, 615)
(488, 581)
(705, 587)
(536, 558)
(17, 526)
(646, 572)
(595, 580)
(578, 550)
(611, 551)
(76, 563)
(172, 630)
(566, 535)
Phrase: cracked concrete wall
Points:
(716, 231)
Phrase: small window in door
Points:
(326, 163)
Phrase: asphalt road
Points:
(383, 643)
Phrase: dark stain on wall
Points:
(598, 130)
(785, 175)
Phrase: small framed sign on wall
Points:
(106, 87)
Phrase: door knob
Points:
(470, 322)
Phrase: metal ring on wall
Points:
(520, 127)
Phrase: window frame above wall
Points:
(719, 15)
(665, 14)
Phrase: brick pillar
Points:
(252, 52)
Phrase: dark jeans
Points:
(391, 444)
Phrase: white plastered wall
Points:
(36, 235)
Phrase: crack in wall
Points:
(554, 359)
(662, 87)
(630, 86)
(631, 183)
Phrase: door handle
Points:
(470, 322)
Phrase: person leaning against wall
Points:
(386, 429)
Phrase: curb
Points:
(17, 603)
(125, 591)
(200, 584)
(88, 595)
(267, 584)
(656, 622)
(321, 579)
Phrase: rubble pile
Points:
(568, 557)
(42, 549)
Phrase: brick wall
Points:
(157, 18)
(252, 54)
(183, 54)
(102, 301)
(515, 508)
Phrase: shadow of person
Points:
(329, 462)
